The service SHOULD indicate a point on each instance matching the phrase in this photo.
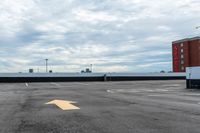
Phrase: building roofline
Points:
(186, 39)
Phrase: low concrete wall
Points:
(48, 79)
(135, 78)
(76, 77)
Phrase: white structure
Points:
(193, 77)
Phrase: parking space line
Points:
(192, 94)
(56, 84)
(110, 91)
(26, 84)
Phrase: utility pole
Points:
(46, 60)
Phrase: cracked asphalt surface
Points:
(105, 107)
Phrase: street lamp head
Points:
(46, 65)
(197, 27)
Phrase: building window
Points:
(181, 44)
(182, 62)
(181, 50)
(182, 68)
(182, 56)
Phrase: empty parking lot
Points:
(102, 107)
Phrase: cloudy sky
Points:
(113, 35)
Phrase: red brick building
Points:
(186, 53)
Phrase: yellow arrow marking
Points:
(64, 105)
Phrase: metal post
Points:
(105, 77)
(91, 67)
(190, 85)
(46, 65)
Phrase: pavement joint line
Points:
(59, 85)
(162, 90)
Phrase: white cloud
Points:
(154, 64)
(121, 35)
(113, 68)
(12, 15)
(93, 16)
(163, 28)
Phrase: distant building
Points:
(162, 71)
(31, 70)
(87, 70)
(186, 53)
(82, 71)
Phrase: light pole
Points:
(46, 60)
(91, 67)
(198, 27)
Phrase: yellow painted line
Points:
(64, 105)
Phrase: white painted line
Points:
(149, 90)
(192, 94)
(110, 91)
(142, 90)
(172, 85)
(26, 84)
(154, 95)
(82, 84)
(56, 84)
(162, 90)
(131, 91)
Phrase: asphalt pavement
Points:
(99, 107)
